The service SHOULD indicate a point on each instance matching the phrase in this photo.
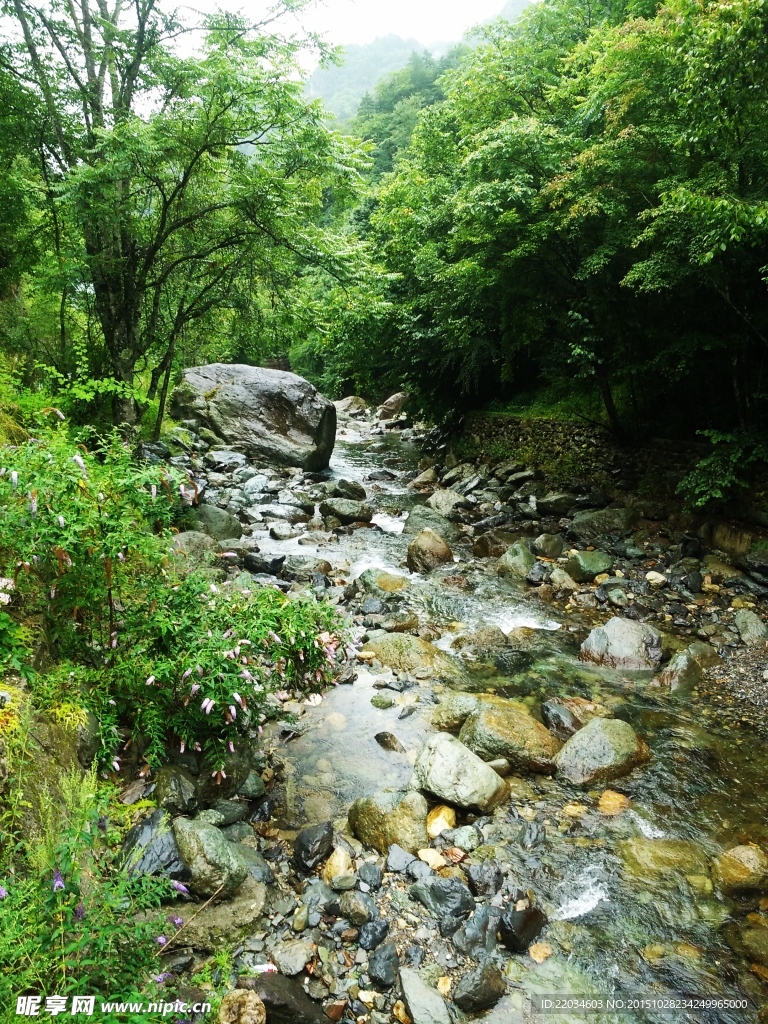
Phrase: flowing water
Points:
(655, 932)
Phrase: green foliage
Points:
(71, 921)
(719, 477)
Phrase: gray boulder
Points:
(444, 501)
(499, 729)
(194, 546)
(583, 566)
(268, 414)
(390, 818)
(549, 545)
(751, 627)
(516, 562)
(427, 550)
(449, 769)
(425, 1004)
(346, 510)
(623, 644)
(421, 517)
(615, 521)
(150, 848)
(175, 790)
(214, 864)
(392, 407)
(218, 523)
(606, 748)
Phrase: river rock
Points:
(453, 711)
(477, 936)
(485, 878)
(452, 772)
(391, 817)
(439, 819)
(560, 580)
(606, 748)
(426, 479)
(346, 510)
(643, 857)
(312, 845)
(516, 562)
(623, 644)
(285, 999)
(371, 874)
(338, 871)
(682, 670)
(741, 868)
(519, 928)
(373, 933)
(492, 544)
(405, 653)
(426, 551)
(480, 989)
(242, 1007)
(381, 584)
(150, 848)
(208, 928)
(549, 545)
(383, 965)
(555, 503)
(614, 522)
(291, 957)
(194, 546)
(268, 414)
(422, 517)
(175, 790)
(214, 863)
(751, 627)
(393, 406)
(425, 1004)
(501, 730)
(253, 788)
(357, 908)
(258, 868)
(444, 897)
(583, 566)
(444, 501)
(218, 523)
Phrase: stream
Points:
(621, 926)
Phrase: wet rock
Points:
(614, 522)
(405, 653)
(389, 742)
(426, 551)
(390, 817)
(214, 864)
(425, 1004)
(439, 819)
(285, 999)
(291, 957)
(384, 965)
(231, 810)
(453, 711)
(258, 868)
(477, 936)
(520, 928)
(175, 790)
(381, 584)
(258, 563)
(516, 562)
(606, 748)
(236, 768)
(502, 730)
(583, 566)
(444, 897)
(560, 580)
(752, 941)
(238, 831)
(492, 544)
(373, 933)
(423, 517)
(480, 989)
(444, 501)
(208, 928)
(555, 503)
(312, 846)
(549, 545)
(194, 546)
(218, 523)
(419, 870)
(450, 770)
(371, 874)
(338, 871)
(426, 479)
(357, 908)
(346, 510)
(242, 1007)
(349, 489)
(647, 857)
(383, 702)
(559, 719)
(265, 413)
(751, 627)
(623, 644)
(741, 868)
(253, 788)
(540, 573)
(398, 859)
(485, 879)
(682, 670)
(150, 848)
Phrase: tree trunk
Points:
(604, 383)
(163, 395)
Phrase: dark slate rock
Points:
(240, 830)
(478, 936)
(150, 848)
(312, 846)
(519, 928)
(485, 878)
(258, 868)
(285, 1000)
(371, 874)
(233, 810)
(398, 859)
(444, 897)
(373, 934)
(176, 790)
(258, 563)
(480, 989)
(384, 965)
(419, 871)
(559, 719)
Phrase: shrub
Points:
(717, 477)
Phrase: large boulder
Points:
(405, 653)
(390, 817)
(452, 772)
(614, 523)
(346, 510)
(583, 566)
(623, 644)
(421, 517)
(425, 1004)
(392, 407)
(268, 414)
(741, 867)
(499, 729)
(150, 848)
(751, 627)
(605, 748)
(215, 865)
(516, 562)
(444, 501)
(427, 550)
(208, 928)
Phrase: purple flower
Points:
(160, 978)
(3, 892)
(102, 823)
(180, 887)
(161, 940)
(58, 880)
(176, 921)
(80, 911)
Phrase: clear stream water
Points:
(615, 934)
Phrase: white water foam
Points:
(593, 892)
(389, 524)
(649, 830)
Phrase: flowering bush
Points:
(179, 659)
